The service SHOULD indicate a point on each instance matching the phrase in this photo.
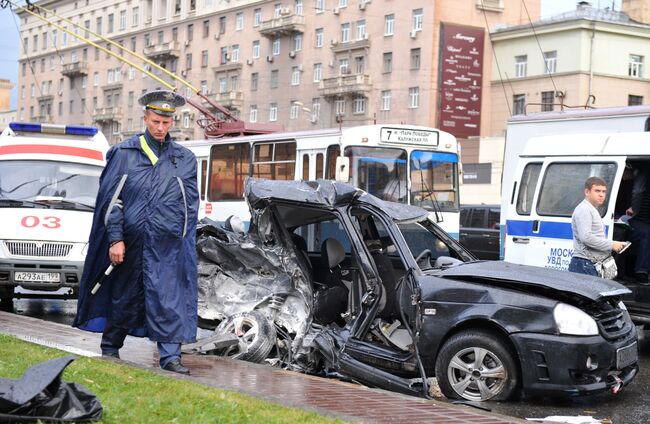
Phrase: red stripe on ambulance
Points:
(51, 150)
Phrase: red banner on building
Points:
(460, 79)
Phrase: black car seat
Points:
(333, 253)
(301, 253)
(331, 301)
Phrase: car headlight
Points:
(571, 320)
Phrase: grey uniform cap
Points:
(162, 102)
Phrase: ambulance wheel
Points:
(255, 332)
(7, 299)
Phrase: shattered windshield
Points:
(434, 185)
(37, 181)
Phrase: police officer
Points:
(144, 223)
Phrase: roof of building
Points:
(582, 12)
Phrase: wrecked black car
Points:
(333, 281)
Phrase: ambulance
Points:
(548, 158)
(49, 178)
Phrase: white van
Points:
(548, 184)
(49, 178)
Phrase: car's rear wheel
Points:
(255, 332)
(477, 365)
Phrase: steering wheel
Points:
(425, 254)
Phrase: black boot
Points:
(176, 366)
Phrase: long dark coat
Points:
(154, 292)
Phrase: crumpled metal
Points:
(40, 394)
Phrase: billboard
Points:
(460, 79)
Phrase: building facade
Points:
(302, 63)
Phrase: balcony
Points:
(163, 51)
(181, 133)
(107, 114)
(355, 84)
(113, 85)
(351, 45)
(233, 100)
(228, 66)
(75, 69)
(45, 98)
(287, 24)
(44, 119)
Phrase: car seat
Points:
(333, 253)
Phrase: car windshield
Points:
(50, 181)
(379, 171)
(433, 180)
(425, 235)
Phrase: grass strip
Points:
(133, 395)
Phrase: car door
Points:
(538, 229)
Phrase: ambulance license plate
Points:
(627, 355)
(37, 277)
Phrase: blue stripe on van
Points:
(547, 229)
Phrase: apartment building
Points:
(302, 63)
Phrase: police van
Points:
(545, 183)
(49, 178)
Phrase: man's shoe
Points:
(115, 355)
(641, 277)
(176, 366)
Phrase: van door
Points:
(538, 225)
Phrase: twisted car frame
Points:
(333, 281)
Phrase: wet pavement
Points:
(326, 396)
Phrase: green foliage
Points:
(133, 395)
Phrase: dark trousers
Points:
(582, 266)
(113, 340)
(640, 236)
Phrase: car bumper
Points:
(69, 273)
(576, 365)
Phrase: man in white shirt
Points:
(590, 244)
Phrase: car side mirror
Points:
(342, 169)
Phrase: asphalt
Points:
(329, 397)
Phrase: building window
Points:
(122, 20)
(414, 97)
(190, 32)
(239, 21)
(275, 74)
(344, 66)
(54, 38)
(521, 66)
(550, 61)
(359, 64)
(635, 67)
(294, 110)
(415, 58)
(320, 6)
(389, 24)
(256, 49)
(547, 100)
(222, 25)
(255, 77)
(297, 42)
(298, 9)
(98, 26)
(273, 112)
(277, 10)
(257, 17)
(339, 106)
(388, 63)
(345, 33)
(252, 117)
(188, 61)
(518, 104)
(315, 109)
(35, 43)
(385, 100)
(361, 29)
(417, 20)
(206, 29)
(204, 59)
(234, 57)
(633, 100)
(343, 3)
(317, 72)
(275, 47)
(161, 37)
(295, 75)
(360, 104)
(223, 85)
(111, 23)
(135, 18)
(320, 35)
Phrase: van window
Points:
(527, 188)
(478, 218)
(563, 186)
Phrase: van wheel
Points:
(255, 332)
(477, 365)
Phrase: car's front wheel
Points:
(477, 365)
(256, 335)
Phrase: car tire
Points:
(256, 336)
(462, 375)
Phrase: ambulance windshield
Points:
(67, 183)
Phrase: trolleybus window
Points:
(434, 183)
(274, 161)
(229, 168)
(379, 171)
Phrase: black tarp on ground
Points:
(40, 394)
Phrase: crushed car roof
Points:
(327, 193)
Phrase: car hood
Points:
(586, 286)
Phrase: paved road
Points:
(628, 407)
